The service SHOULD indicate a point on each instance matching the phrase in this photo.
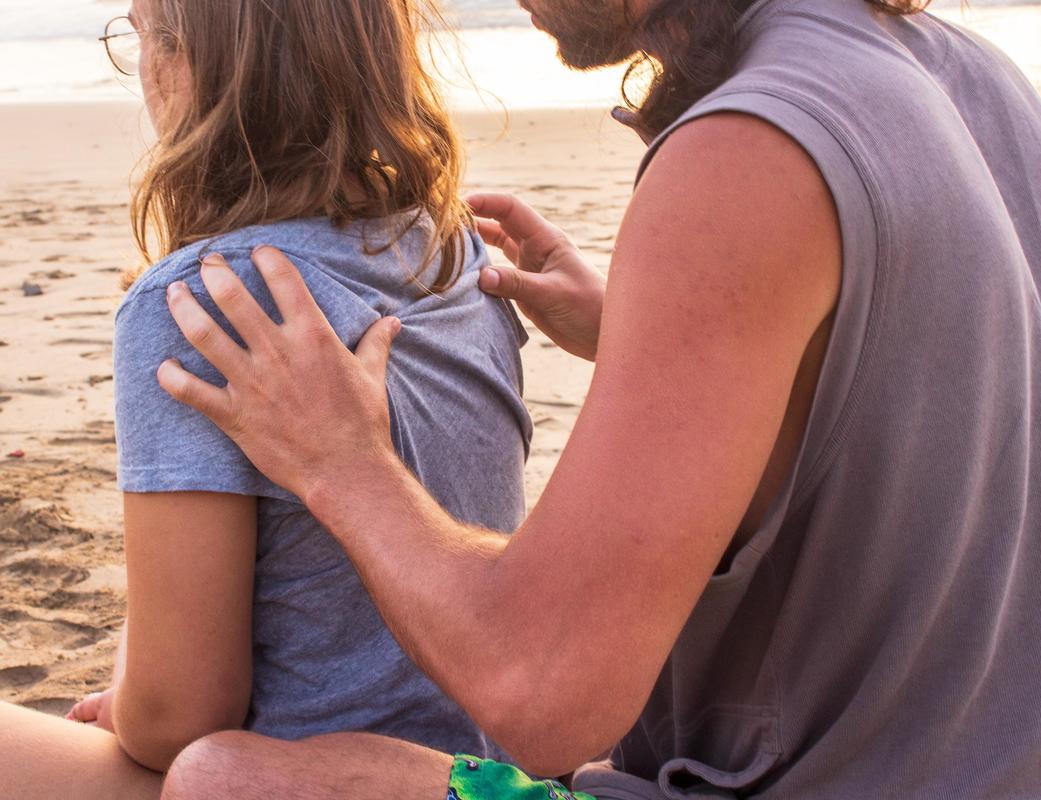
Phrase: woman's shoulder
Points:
(372, 261)
(293, 236)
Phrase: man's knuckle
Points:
(186, 392)
(516, 281)
(256, 380)
(235, 421)
(280, 355)
(227, 294)
(199, 333)
(282, 272)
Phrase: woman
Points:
(309, 126)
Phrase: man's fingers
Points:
(236, 303)
(204, 334)
(374, 348)
(518, 219)
(286, 284)
(513, 284)
(492, 233)
(191, 390)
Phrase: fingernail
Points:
(395, 325)
(258, 248)
(214, 260)
(490, 279)
(176, 288)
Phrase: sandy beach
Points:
(64, 239)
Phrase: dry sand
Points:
(64, 228)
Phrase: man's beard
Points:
(589, 33)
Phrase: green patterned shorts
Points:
(481, 779)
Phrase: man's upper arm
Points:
(728, 261)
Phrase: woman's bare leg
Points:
(46, 758)
(338, 766)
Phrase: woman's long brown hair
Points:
(294, 106)
(696, 49)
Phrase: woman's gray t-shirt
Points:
(322, 658)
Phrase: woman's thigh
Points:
(44, 757)
(340, 766)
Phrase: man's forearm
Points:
(431, 576)
(465, 603)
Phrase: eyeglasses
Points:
(123, 45)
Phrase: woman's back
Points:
(322, 659)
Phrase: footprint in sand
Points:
(551, 403)
(29, 632)
(43, 573)
(75, 314)
(31, 520)
(33, 217)
(544, 421)
(71, 440)
(90, 355)
(34, 391)
(84, 341)
(15, 677)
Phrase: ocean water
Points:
(49, 52)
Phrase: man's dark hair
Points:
(695, 43)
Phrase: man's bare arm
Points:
(726, 264)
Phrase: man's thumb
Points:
(512, 284)
(374, 348)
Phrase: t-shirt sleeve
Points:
(163, 445)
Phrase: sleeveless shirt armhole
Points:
(842, 163)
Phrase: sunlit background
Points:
(49, 53)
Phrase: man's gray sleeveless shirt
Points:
(880, 635)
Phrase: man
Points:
(791, 549)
